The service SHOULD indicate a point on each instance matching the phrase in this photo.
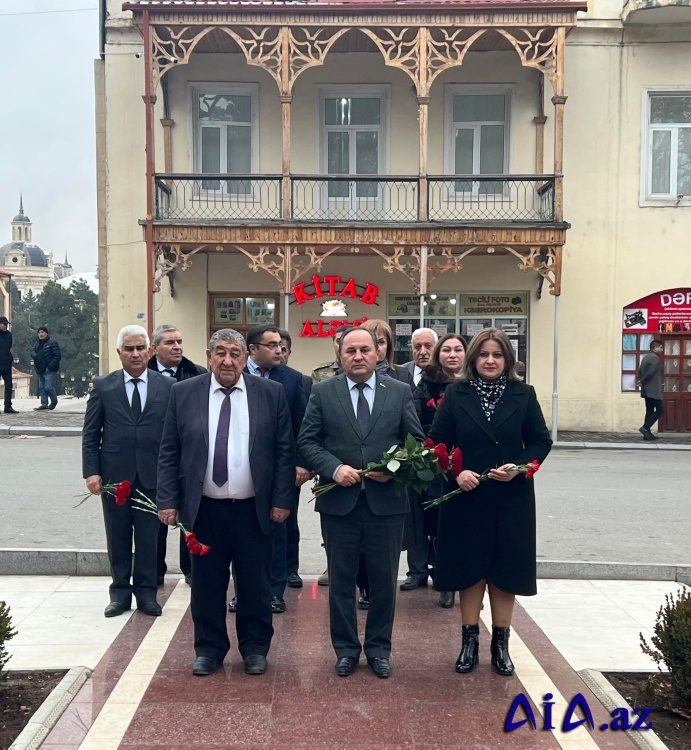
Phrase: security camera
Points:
(137, 55)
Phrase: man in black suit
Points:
(227, 467)
(166, 343)
(265, 361)
(351, 420)
(120, 440)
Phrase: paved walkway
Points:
(142, 695)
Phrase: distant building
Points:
(31, 268)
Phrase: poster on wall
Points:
(494, 303)
(663, 312)
(228, 310)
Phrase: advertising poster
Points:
(663, 312)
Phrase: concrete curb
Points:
(610, 698)
(94, 562)
(623, 446)
(51, 710)
(40, 431)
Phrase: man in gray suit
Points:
(227, 469)
(122, 431)
(650, 379)
(350, 421)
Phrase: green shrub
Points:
(672, 644)
(6, 632)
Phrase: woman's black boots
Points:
(470, 646)
(501, 661)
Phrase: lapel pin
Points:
(381, 385)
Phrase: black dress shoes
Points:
(255, 664)
(204, 665)
(346, 665)
(412, 582)
(188, 580)
(363, 599)
(160, 581)
(380, 665)
(233, 605)
(294, 581)
(151, 608)
(470, 647)
(501, 661)
(278, 604)
(10, 410)
(446, 599)
(116, 608)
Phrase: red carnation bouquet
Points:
(528, 469)
(410, 465)
(122, 492)
(432, 404)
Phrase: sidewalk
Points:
(142, 694)
(68, 418)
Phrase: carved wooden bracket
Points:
(406, 259)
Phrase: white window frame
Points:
(460, 89)
(381, 91)
(647, 198)
(232, 89)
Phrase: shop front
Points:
(665, 316)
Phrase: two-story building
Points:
(450, 163)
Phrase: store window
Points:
(241, 311)
(466, 313)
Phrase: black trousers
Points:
(232, 530)
(6, 375)
(123, 522)
(654, 409)
(379, 538)
(185, 563)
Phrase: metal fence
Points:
(354, 198)
(215, 197)
(491, 198)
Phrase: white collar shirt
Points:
(417, 375)
(162, 369)
(368, 392)
(142, 387)
(239, 484)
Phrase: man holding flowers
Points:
(351, 420)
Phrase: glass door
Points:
(676, 383)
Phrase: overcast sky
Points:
(47, 140)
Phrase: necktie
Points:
(136, 399)
(362, 408)
(169, 373)
(220, 467)
(263, 371)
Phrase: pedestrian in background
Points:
(650, 380)
(46, 356)
(6, 361)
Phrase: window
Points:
(226, 135)
(477, 136)
(634, 347)
(669, 145)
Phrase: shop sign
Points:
(323, 329)
(496, 303)
(663, 312)
(334, 286)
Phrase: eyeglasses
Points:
(271, 345)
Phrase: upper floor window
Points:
(669, 145)
(478, 134)
(226, 134)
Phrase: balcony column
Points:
(167, 144)
(149, 102)
(285, 168)
(423, 115)
(559, 100)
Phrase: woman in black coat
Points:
(486, 535)
(444, 367)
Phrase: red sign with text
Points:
(662, 312)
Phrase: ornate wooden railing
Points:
(356, 198)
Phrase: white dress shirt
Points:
(142, 387)
(417, 374)
(239, 484)
(162, 369)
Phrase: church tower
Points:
(21, 225)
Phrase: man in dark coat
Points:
(166, 343)
(227, 468)
(120, 441)
(46, 356)
(351, 420)
(6, 361)
(650, 379)
(265, 361)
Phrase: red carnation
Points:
(431, 403)
(533, 466)
(456, 461)
(442, 456)
(429, 443)
(122, 492)
(189, 536)
(205, 548)
(439, 400)
(194, 547)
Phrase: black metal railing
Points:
(355, 198)
(491, 198)
(215, 197)
(352, 198)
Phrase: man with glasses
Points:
(265, 361)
